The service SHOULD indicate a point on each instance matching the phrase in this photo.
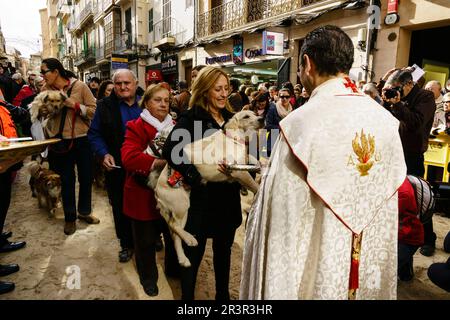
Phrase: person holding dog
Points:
(324, 223)
(71, 125)
(139, 202)
(215, 208)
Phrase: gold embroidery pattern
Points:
(364, 148)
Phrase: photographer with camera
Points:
(414, 108)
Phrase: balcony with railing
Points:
(71, 25)
(97, 9)
(123, 43)
(85, 14)
(63, 8)
(167, 32)
(107, 4)
(88, 55)
(99, 53)
(239, 13)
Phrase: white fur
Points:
(52, 100)
(174, 202)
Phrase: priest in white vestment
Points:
(325, 219)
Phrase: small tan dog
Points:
(174, 202)
(46, 104)
(47, 186)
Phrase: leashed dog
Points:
(47, 186)
(173, 202)
(53, 101)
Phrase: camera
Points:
(392, 92)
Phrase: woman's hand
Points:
(223, 168)
(158, 164)
(70, 103)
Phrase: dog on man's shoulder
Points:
(47, 186)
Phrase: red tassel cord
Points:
(354, 265)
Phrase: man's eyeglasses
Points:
(43, 72)
(285, 97)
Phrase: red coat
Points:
(410, 229)
(25, 92)
(138, 201)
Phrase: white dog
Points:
(205, 154)
(47, 104)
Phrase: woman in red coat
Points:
(138, 200)
(410, 230)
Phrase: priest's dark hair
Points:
(330, 48)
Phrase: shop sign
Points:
(154, 75)
(392, 6)
(238, 50)
(119, 62)
(169, 65)
(219, 59)
(273, 43)
(252, 53)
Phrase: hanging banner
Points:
(238, 50)
(272, 43)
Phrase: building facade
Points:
(233, 35)
(171, 35)
(416, 37)
(254, 40)
(49, 29)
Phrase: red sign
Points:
(392, 6)
(154, 75)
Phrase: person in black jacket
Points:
(215, 210)
(414, 108)
(106, 135)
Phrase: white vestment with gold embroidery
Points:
(313, 197)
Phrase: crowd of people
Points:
(335, 140)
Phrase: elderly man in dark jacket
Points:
(414, 108)
(106, 136)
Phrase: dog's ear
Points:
(63, 97)
(46, 98)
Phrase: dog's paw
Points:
(191, 241)
(184, 262)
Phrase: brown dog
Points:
(47, 186)
(46, 104)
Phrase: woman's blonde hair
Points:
(150, 91)
(205, 80)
